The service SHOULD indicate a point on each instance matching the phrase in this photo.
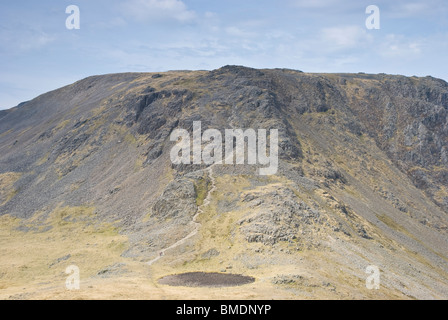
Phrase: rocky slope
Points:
(362, 181)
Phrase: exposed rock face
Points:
(408, 119)
(363, 166)
(177, 200)
(279, 216)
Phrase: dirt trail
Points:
(196, 225)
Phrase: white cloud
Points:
(210, 15)
(157, 10)
(23, 38)
(313, 3)
(344, 37)
(238, 32)
(117, 22)
(40, 40)
(397, 46)
(412, 9)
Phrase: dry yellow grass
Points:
(30, 258)
(7, 190)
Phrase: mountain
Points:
(86, 179)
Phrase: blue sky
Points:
(38, 53)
